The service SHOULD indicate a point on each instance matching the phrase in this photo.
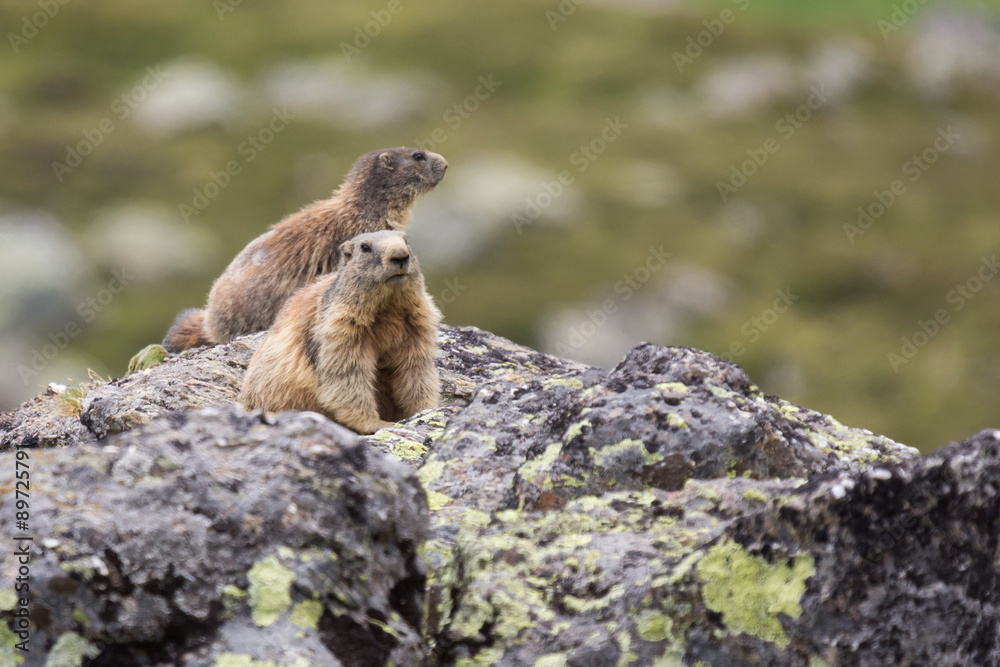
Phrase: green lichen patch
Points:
(270, 590)
(720, 392)
(485, 658)
(8, 599)
(571, 383)
(673, 419)
(430, 471)
(306, 614)
(575, 430)
(654, 626)
(530, 470)
(436, 500)
(232, 597)
(70, 650)
(409, 450)
(8, 640)
(750, 593)
(755, 494)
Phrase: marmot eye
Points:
(365, 247)
(419, 156)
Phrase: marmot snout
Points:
(357, 345)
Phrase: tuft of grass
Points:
(71, 400)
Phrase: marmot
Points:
(378, 193)
(357, 345)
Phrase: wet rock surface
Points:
(664, 512)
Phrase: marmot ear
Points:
(347, 249)
(386, 160)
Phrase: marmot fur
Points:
(357, 345)
(378, 193)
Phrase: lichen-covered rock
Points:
(568, 511)
(905, 559)
(219, 533)
(665, 512)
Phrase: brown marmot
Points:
(357, 345)
(378, 193)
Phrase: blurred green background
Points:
(98, 252)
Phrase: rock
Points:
(740, 88)
(904, 560)
(216, 533)
(840, 66)
(663, 512)
(126, 231)
(188, 94)
(48, 420)
(649, 184)
(951, 47)
(30, 297)
(196, 378)
(332, 91)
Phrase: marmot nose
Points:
(400, 260)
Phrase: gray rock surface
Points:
(664, 512)
(216, 533)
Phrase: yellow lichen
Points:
(750, 593)
(270, 590)
(306, 614)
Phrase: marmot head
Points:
(399, 175)
(382, 258)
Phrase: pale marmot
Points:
(357, 345)
(378, 193)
